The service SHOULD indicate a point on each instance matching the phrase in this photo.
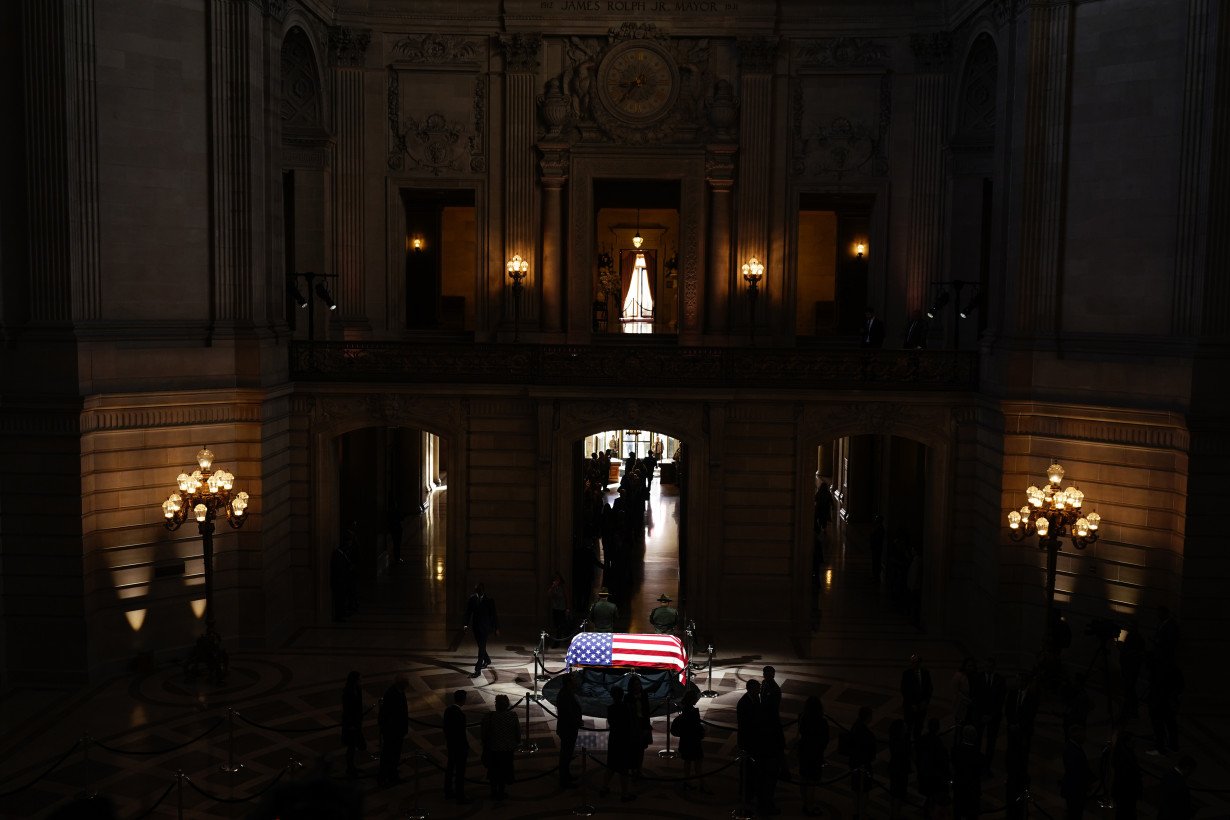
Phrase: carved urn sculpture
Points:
(723, 109)
(555, 105)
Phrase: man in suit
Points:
(989, 691)
(915, 695)
(567, 726)
(748, 736)
(480, 618)
(1020, 708)
(873, 329)
(394, 721)
(1078, 775)
(457, 744)
(916, 334)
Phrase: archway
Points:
(628, 521)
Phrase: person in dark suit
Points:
(621, 738)
(862, 752)
(873, 329)
(916, 693)
(966, 775)
(457, 745)
(352, 722)
(813, 742)
(1078, 776)
(934, 771)
(1128, 784)
(567, 726)
(748, 735)
(1020, 708)
(394, 722)
(989, 691)
(916, 333)
(772, 743)
(481, 619)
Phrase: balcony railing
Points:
(582, 365)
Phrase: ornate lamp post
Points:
(753, 272)
(1053, 513)
(517, 270)
(203, 495)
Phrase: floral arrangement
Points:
(609, 281)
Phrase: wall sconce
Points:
(325, 296)
(416, 244)
(517, 269)
(859, 250)
(316, 283)
(753, 272)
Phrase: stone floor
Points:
(286, 705)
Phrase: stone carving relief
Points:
(388, 409)
(758, 55)
(843, 53)
(588, 119)
(976, 115)
(932, 50)
(435, 142)
(883, 418)
(521, 51)
(844, 145)
(348, 46)
(437, 49)
(1004, 12)
(301, 98)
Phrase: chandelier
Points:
(1053, 513)
(205, 505)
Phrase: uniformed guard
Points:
(603, 613)
(665, 617)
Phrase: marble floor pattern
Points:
(286, 704)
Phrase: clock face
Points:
(637, 82)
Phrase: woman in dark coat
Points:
(352, 722)
(813, 740)
(690, 731)
(620, 739)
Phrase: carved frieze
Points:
(521, 51)
(437, 49)
(845, 145)
(932, 50)
(843, 52)
(348, 46)
(435, 142)
(388, 409)
(1004, 12)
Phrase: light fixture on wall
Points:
(859, 250)
(203, 495)
(292, 290)
(315, 284)
(323, 292)
(416, 244)
(1053, 513)
(637, 239)
(517, 269)
(753, 272)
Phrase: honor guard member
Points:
(665, 617)
(603, 613)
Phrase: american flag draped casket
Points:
(607, 649)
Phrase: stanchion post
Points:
(541, 672)
(230, 767)
(527, 746)
(668, 753)
(709, 693)
(86, 792)
(586, 809)
(417, 812)
(741, 811)
(179, 792)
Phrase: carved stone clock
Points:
(638, 82)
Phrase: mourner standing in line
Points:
(481, 619)
(352, 722)
(457, 744)
(394, 722)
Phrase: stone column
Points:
(932, 55)
(554, 167)
(1045, 158)
(720, 174)
(235, 45)
(1194, 173)
(757, 60)
(520, 232)
(347, 50)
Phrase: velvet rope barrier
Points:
(217, 722)
(48, 771)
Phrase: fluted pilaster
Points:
(932, 56)
(1193, 156)
(719, 173)
(347, 51)
(1045, 157)
(757, 59)
(554, 175)
(520, 101)
(1215, 287)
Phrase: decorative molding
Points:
(843, 53)
(148, 418)
(348, 46)
(636, 31)
(1004, 12)
(301, 91)
(757, 55)
(438, 49)
(844, 146)
(520, 51)
(977, 99)
(434, 144)
(932, 50)
(931, 423)
(477, 139)
(1101, 431)
(276, 9)
(598, 365)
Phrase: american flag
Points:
(627, 649)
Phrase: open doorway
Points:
(871, 523)
(630, 525)
(393, 515)
(636, 261)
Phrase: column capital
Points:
(1004, 12)
(758, 55)
(556, 158)
(520, 51)
(932, 50)
(348, 46)
(720, 165)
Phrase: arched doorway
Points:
(628, 523)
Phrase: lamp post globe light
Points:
(1053, 513)
(753, 272)
(203, 495)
